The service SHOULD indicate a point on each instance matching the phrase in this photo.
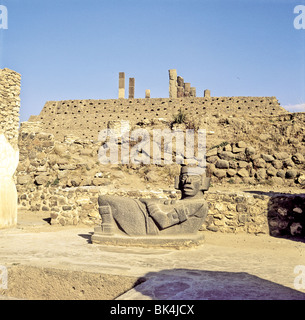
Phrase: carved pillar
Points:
(147, 94)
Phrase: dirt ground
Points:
(59, 263)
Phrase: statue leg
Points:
(125, 216)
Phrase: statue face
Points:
(190, 184)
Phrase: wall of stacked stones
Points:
(85, 118)
(64, 179)
(9, 105)
(242, 163)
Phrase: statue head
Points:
(192, 181)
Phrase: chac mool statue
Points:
(153, 217)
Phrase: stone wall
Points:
(85, 118)
(277, 214)
(242, 163)
(9, 105)
(65, 178)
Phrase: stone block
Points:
(222, 164)
(207, 93)
(291, 174)
(250, 151)
(267, 157)
(24, 179)
(219, 173)
(243, 173)
(180, 81)
(281, 155)
(193, 92)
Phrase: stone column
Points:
(180, 88)
(207, 93)
(172, 83)
(131, 88)
(9, 153)
(147, 94)
(187, 89)
(121, 85)
(193, 92)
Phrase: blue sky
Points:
(72, 49)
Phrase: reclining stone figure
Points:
(149, 217)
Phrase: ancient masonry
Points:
(85, 118)
(60, 174)
(9, 153)
(9, 105)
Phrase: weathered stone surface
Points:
(259, 163)
(291, 174)
(222, 164)
(281, 155)
(298, 158)
(42, 179)
(267, 157)
(243, 173)
(24, 179)
(156, 217)
(250, 151)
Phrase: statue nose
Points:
(188, 180)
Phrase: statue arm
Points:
(168, 215)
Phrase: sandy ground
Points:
(54, 262)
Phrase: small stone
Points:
(243, 173)
(219, 173)
(298, 158)
(297, 210)
(250, 151)
(241, 144)
(296, 229)
(291, 174)
(267, 157)
(222, 164)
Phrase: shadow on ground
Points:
(184, 284)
